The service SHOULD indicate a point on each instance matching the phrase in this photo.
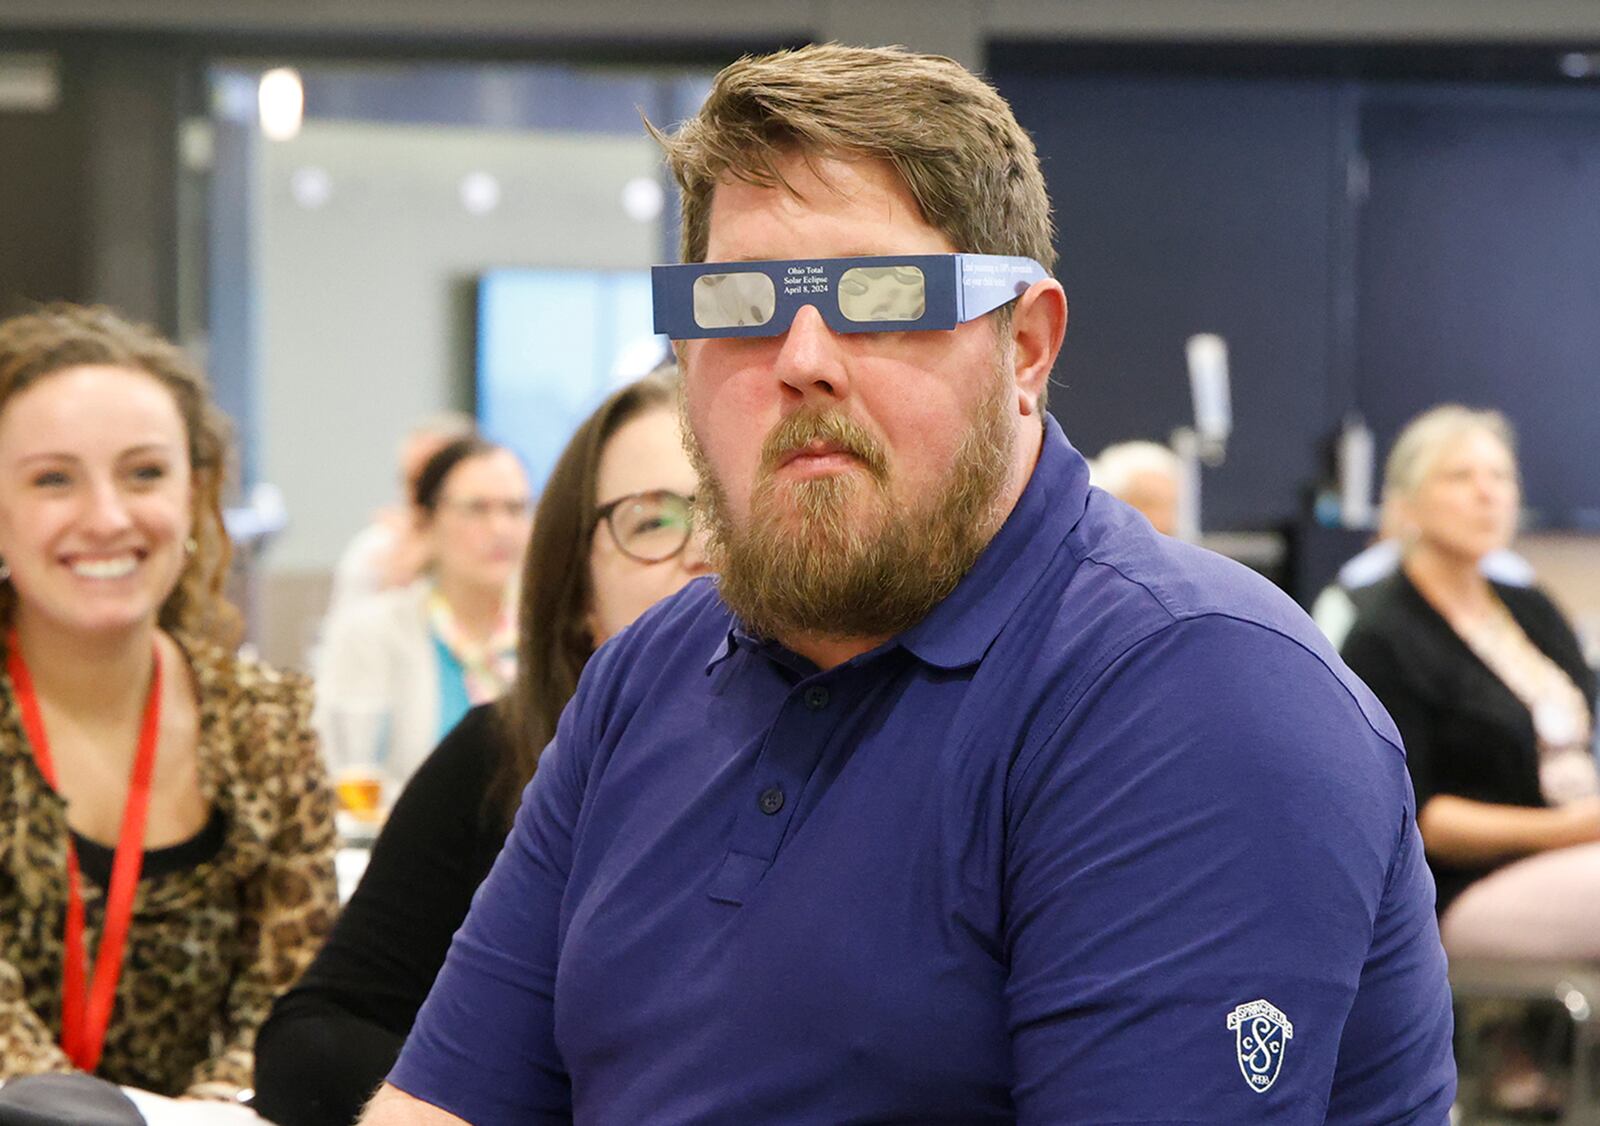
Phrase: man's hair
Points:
(953, 139)
(1426, 437)
(1117, 465)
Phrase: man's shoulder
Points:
(654, 671)
(1179, 579)
(677, 637)
(1127, 583)
(1134, 598)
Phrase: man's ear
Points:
(1038, 325)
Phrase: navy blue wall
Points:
(1479, 275)
(1468, 269)
(1191, 205)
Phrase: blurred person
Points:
(1489, 688)
(390, 552)
(962, 795)
(166, 830)
(398, 670)
(1146, 475)
(1341, 601)
(611, 537)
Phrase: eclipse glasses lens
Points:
(865, 293)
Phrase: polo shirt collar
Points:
(960, 629)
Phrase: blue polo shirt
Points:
(1111, 836)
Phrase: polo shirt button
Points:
(816, 697)
(771, 800)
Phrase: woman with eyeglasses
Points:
(611, 538)
(398, 670)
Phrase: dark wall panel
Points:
(1195, 205)
(41, 207)
(1479, 276)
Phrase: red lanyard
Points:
(86, 1009)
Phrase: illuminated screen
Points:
(551, 345)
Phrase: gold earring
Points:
(190, 546)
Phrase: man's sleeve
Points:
(1197, 854)
(483, 1046)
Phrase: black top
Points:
(332, 1038)
(1465, 732)
(95, 859)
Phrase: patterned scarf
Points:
(488, 669)
(1561, 720)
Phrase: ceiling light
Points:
(281, 102)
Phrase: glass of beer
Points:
(360, 793)
(358, 736)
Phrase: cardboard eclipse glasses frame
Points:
(909, 293)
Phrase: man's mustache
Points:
(832, 428)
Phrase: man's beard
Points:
(836, 556)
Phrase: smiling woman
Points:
(165, 826)
(95, 507)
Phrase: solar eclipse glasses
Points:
(909, 293)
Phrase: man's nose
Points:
(811, 359)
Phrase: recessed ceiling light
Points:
(1578, 64)
(480, 193)
(281, 103)
(642, 199)
(311, 187)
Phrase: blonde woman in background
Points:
(1490, 691)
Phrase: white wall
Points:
(365, 317)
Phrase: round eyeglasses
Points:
(649, 527)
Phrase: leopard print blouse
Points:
(209, 948)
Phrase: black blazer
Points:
(1465, 732)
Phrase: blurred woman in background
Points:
(1489, 689)
(611, 538)
(166, 832)
(399, 669)
(389, 551)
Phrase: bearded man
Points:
(962, 796)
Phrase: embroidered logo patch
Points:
(1261, 1034)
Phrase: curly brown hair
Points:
(36, 345)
